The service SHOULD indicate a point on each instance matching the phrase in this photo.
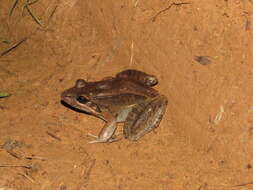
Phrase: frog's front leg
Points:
(106, 134)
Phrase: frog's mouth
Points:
(89, 106)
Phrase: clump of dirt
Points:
(201, 52)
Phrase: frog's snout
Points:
(66, 97)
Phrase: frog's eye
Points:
(82, 99)
(80, 83)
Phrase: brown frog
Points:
(128, 97)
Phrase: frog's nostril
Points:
(80, 83)
(65, 97)
(82, 99)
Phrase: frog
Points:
(128, 98)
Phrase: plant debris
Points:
(4, 94)
(53, 136)
(13, 7)
(219, 115)
(203, 60)
(33, 16)
(167, 8)
(15, 166)
(13, 47)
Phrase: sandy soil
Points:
(205, 139)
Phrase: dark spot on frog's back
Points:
(104, 86)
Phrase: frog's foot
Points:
(99, 140)
(144, 118)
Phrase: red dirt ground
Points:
(205, 139)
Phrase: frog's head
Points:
(79, 97)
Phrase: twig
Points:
(242, 184)
(35, 157)
(27, 177)
(15, 166)
(30, 3)
(132, 53)
(53, 136)
(33, 16)
(14, 154)
(51, 15)
(14, 46)
(13, 7)
(166, 9)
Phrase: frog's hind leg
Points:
(138, 76)
(144, 118)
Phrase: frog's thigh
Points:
(144, 118)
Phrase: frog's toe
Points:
(103, 140)
(97, 139)
(91, 135)
(151, 81)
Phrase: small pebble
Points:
(203, 60)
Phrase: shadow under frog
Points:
(128, 97)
